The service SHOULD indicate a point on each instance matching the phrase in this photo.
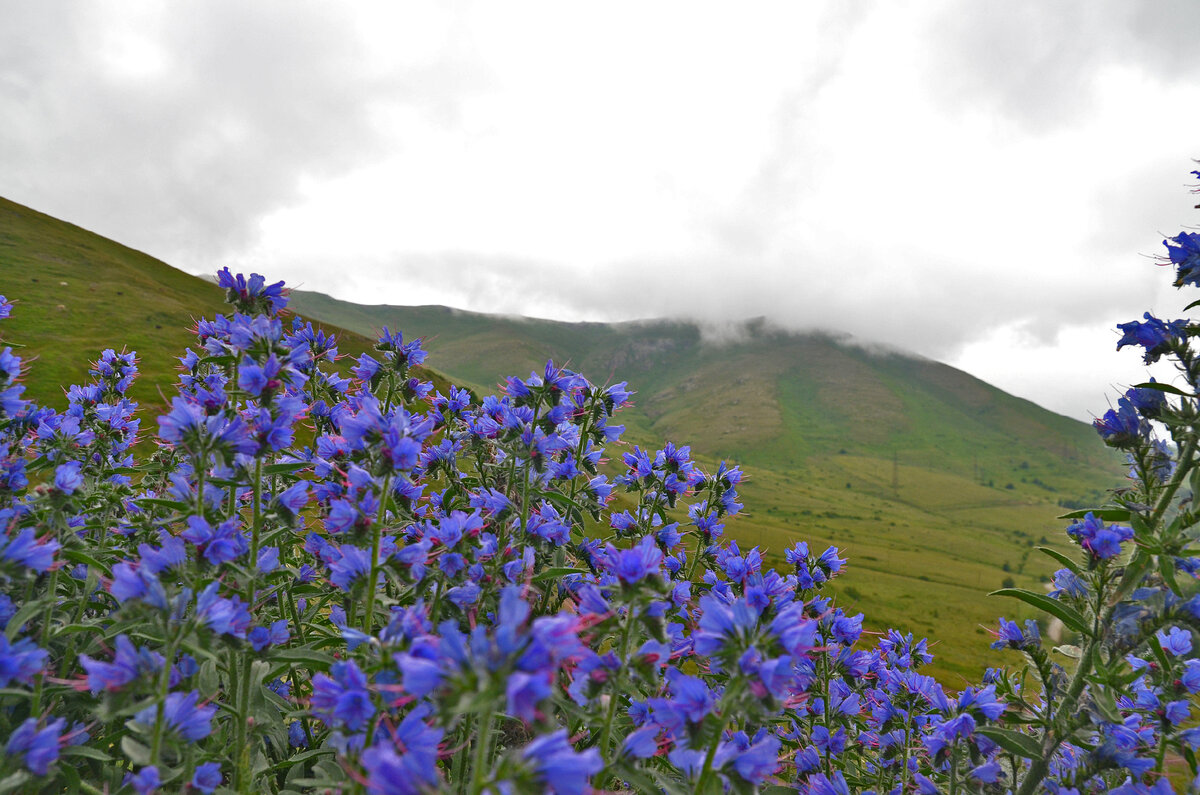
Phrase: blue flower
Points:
(67, 477)
(26, 550)
(207, 777)
(1121, 427)
(40, 746)
(559, 767)
(180, 713)
(343, 699)
(128, 664)
(1185, 256)
(1176, 643)
(145, 781)
(1156, 336)
(1011, 636)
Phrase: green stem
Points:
(614, 695)
(482, 743)
(376, 535)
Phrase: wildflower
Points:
(1177, 642)
(128, 664)
(180, 712)
(26, 550)
(145, 781)
(207, 777)
(40, 746)
(559, 767)
(342, 700)
(1012, 636)
(1156, 336)
(1185, 256)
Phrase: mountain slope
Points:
(77, 293)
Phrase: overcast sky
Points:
(983, 183)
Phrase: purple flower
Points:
(1177, 643)
(525, 691)
(20, 661)
(1012, 637)
(1102, 542)
(146, 780)
(1156, 336)
(67, 477)
(40, 746)
(207, 777)
(632, 565)
(343, 699)
(26, 550)
(1184, 255)
(128, 664)
(559, 767)
(180, 713)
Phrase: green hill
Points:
(78, 293)
(936, 484)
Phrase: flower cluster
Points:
(327, 576)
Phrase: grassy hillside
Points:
(77, 293)
(937, 485)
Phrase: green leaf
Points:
(311, 657)
(1014, 742)
(1066, 650)
(22, 616)
(175, 505)
(283, 469)
(554, 572)
(79, 556)
(1061, 558)
(1135, 572)
(1105, 703)
(136, 752)
(1166, 567)
(1107, 514)
(11, 783)
(1174, 390)
(86, 751)
(1067, 614)
(1160, 653)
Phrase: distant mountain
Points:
(764, 396)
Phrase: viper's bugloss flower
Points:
(145, 781)
(182, 714)
(1120, 427)
(559, 767)
(1101, 541)
(632, 565)
(1177, 642)
(1148, 402)
(1183, 251)
(404, 761)
(207, 777)
(39, 746)
(252, 296)
(128, 664)
(1156, 336)
(20, 661)
(67, 477)
(342, 699)
(1011, 636)
(26, 550)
